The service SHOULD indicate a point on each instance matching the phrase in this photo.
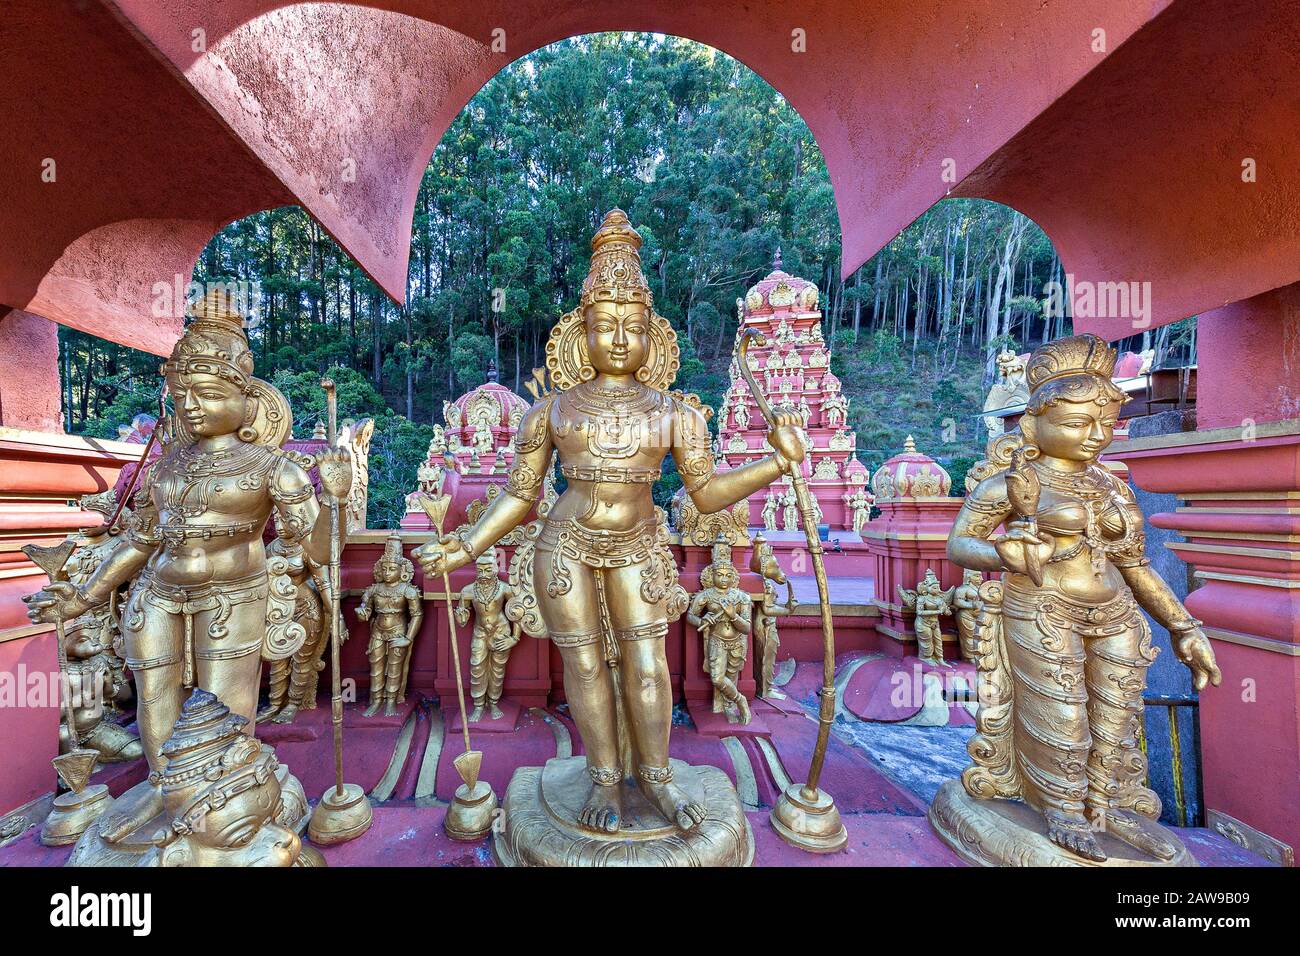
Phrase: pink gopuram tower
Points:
(793, 368)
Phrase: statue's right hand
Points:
(59, 601)
(444, 557)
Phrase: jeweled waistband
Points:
(1032, 602)
(193, 592)
(604, 473)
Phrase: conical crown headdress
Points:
(615, 274)
(1085, 354)
(214, 343)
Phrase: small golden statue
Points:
(95, 673)
(929, 602)
(493, 637)
(721, 612)
(229, 800)
(1062, 646)
(766, 640)
(204, 611)
(966, 606)
(596, 576)
(398, 609)
(294, 680)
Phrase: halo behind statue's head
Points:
(1073, 369)
(214, 343)
(615, 276)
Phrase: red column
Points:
(1239, 478)
(29, 373)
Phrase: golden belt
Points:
(596, 547)
(624, 476)
(1088, 620)
(179, 533)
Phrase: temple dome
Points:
(911, 474)
(491, 404)
(781, 292)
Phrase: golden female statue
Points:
(928, 602)
(1063, 647)
(767, 641)
(604, 583)
(204, 611)
(398, 611)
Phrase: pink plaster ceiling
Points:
(217, 109)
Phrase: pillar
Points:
(1238, 478)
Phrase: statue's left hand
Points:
(785, 436)
(1193, 649)
(335, 473)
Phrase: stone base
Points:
(1011, 833)
(542, 803)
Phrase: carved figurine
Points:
(397, 608)
(1063, 647)
(741, 416)
(860, 507)
(930, 602)
(966, 605)
(601, 581)
(228, 799)
(790, 509)
(770, 504)
(493, 637)
(721, 612)
(766, 640)
(294, 680)
(1009, 389)
(204, 611)
(95, 673)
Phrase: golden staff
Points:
(804, 815)
(470, 815)
(73, 812)
(344, 811)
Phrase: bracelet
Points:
(463, 538)
(1191, 624)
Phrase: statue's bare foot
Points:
(775, 694)
(1126, 825)
(266, 713)
(742, 705)
(494, 712)
(603, 811)
(476, 714)
(372, 709)
(390, 709)
(287, 715)
(673, 803)
(129, 812)
(1073, 832)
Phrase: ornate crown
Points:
(615, 274)
(1085, 354)
(393, 548)
(214, 343)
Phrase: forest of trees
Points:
(714, 169)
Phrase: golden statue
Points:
(1063, 646)
(966, 606)
(397, 608)
(493, 637)
(294, 680)
(597, 578)
(721, 612)
(96, 679)
(766, 640)
(204, 611)
(929, 602)
(229, 801)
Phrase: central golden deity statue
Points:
(1063, 649)
(204, 611)
(601, 578)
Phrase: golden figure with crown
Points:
(1062, 646)
(204, 611)
(596, 577)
